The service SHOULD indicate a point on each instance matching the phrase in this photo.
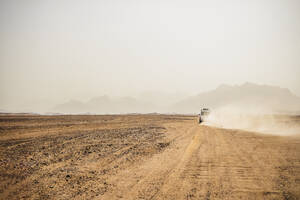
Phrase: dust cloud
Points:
(254, 119)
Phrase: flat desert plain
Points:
(142, 157)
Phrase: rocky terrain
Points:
(142, 157)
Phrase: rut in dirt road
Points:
(212, 163)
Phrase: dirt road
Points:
(211, 163)
(149, 157)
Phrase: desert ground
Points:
(143, 157)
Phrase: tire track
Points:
(145, 181)
(204, 162)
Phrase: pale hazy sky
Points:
(54, 50)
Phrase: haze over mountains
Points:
(106, 105)
(248, 97)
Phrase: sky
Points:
(56, 50)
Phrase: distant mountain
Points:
(106, 105)
(246, 97)
(249, 96)
(72, 106)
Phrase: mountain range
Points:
(106, 105)
(248, 96)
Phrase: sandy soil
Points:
(142, 157)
